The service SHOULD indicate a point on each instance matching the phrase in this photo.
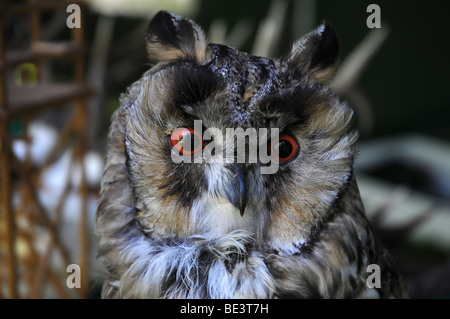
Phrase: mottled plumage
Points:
(224, 230)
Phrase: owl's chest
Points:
(230, 267)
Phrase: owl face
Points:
(196, 82)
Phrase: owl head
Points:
(194, 93)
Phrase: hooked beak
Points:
(242, 192)
(237, 193)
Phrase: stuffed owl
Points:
(187, 212)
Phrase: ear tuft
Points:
(171, 37)
(316, 54)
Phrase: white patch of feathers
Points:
(213, 214)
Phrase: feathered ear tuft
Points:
(316, 54)
(171, 37)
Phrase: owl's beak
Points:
(242, 192)
(237, 192)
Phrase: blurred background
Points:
(59, 87)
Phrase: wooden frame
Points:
(24, 269)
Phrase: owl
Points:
(187, 212)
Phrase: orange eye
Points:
(285, 150)
(186, 141)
